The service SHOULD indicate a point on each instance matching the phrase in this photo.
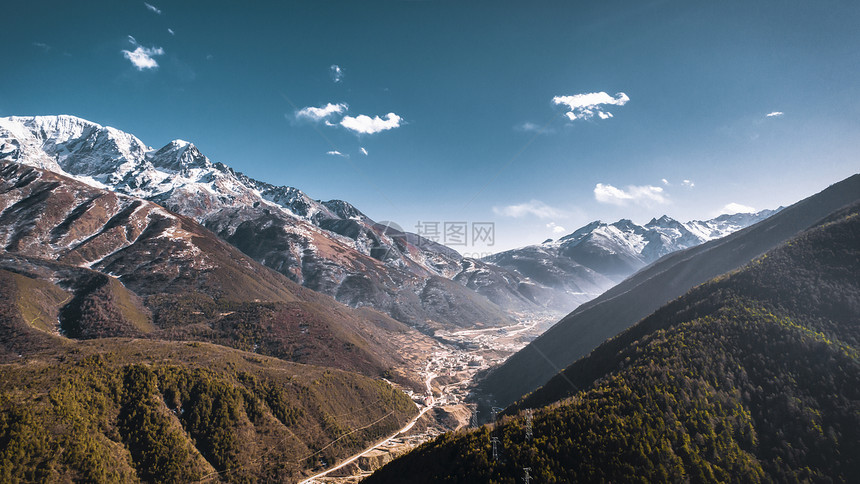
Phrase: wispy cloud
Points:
(586, 106)
(556, 229)
(336, 73)
(363, 151)
(364, 124)
(152, 8)
(732, 208)
(171, 32)
(775, 114)
(536, 208)
(336, 153)
(529, 127)
(142, 57)
(42, 46)
(684, 183)
(645, 195)
(318, 114)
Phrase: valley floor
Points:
(448, 367)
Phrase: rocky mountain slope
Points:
(333, 248)
(124, 266)
(626, 303)
(330, 247)
(751, 377)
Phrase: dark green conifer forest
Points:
(751, 377)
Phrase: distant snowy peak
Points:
(665, 228)
(178, 156)
(726, 224)
(622, 235)
(613, 248)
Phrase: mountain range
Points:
(128, 267)
(164, 317)
(333, 248)
(750, 377)
(137, 345)
(329, 247)
(578, 333)
(587, 262)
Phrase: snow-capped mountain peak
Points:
(726, 224)
(179, 177)
(178, 155)
(618, 249)
(70, 145)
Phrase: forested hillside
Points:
(619, 308)
(116, 410)
(751, 377)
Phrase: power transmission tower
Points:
(529, 424)
(495, 441)
(496, 411)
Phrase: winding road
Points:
(377, 444)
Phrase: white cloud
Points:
(318, 114)
(736, 208)
(665, 181)
(645, 195)
(336, 73)
(142, 57)
(152, 8)
(585, 106)
(775, 114)
(366, 125)
(529, 127)
(171, 32)
(556, 229)
(363, 151)
(336, 153)
(361, 124)
(532, 207)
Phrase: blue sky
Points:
(469, 111)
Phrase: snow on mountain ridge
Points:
(99, 152)
(184, 180)
(617, 249)
(726, 224)
(109, 158)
